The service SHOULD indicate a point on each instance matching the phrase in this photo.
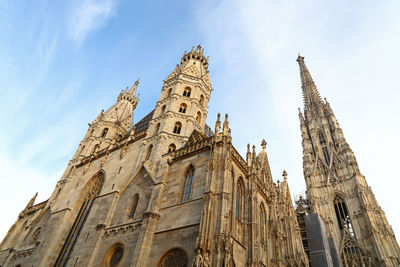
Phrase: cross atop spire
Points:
(310, 92)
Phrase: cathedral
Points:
(171, 191)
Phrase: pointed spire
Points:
(133, 89)
(218, 124)
(310, 92)
(254, 155)
(226, 125)
(248, 155)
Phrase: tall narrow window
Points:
(263, 222)
(326, 155)
(202, 100)
(149, 152)
(239, 200)
(83, 147)
(88, 196)
(198, 117)
(104, 133)
(342, 214)
(135, 201)
(187, 91)
(182, 108)
(177, 127)
(169, 92)
(187, 184)
(157, 129)
(163, 109)
(96, 147)
(171, 148)
(322, 142)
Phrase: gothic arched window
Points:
(149, 152)
(104, 133)
(325, 151)
(174, 258)
(198, 117)
(263, 222)
(135, 201)
(239, 200)
(342, 214)
(177, 128)
(157, 129)
(96, 147)
(202, 100)
(171, 148)
(182, 108)
(187, 91)
(169, 92)
(87, 198)
(114, 255)
(163, 109)
(187, 184)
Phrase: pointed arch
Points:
(87, 197)
(148, 153)
(202, 100)
(187, 184)
(175, 257)
(198, 117)
(263, 223)
(95, 148)
(342, 214)
(157, 129)
(171, 148)
(163, 109)
(104, 132)
(240, 199)
(135, 201)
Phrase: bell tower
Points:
(182, 106)
(336, 189)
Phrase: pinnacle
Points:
(310, 93)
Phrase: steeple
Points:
(334, 182)
(311, 95)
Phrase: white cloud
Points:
(89, 15)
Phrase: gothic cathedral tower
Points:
(336, 189)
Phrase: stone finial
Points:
(284, 174)
(254, 154)
(226, 125)
(248, 155)
(133, 89)
(264, 144)
(218, 124)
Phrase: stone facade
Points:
(166, 191)
(336, 189)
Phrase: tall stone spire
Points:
(310, 92)
(336, 190)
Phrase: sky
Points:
(62, 62)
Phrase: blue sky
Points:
(62, 62)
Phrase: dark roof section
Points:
(143, 124)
